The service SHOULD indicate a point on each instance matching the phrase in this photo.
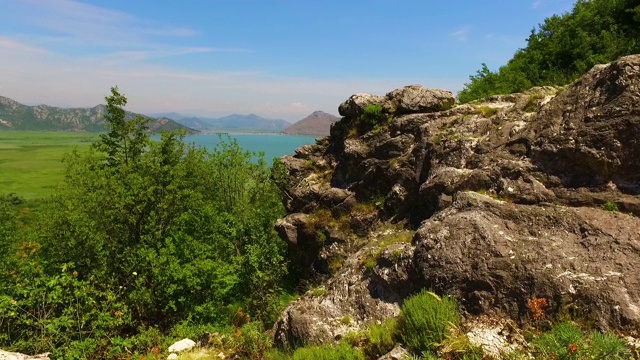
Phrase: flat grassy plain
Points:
(31, 162)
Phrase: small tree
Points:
(126, 139)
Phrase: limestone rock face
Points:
(505, 200)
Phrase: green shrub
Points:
(341, 351)
(372, 119)
(380, 339)
(252, 341)
(563, 341)
(426, 319)
(604, 346)
(611, 206)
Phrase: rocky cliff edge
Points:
(521, 196)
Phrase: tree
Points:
(563, 48)
(126, 139)
(153, 234)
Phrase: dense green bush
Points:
(563, 48)
(142, 235)
(426, 319)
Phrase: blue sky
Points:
(279, 59)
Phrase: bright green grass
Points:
(31, 162)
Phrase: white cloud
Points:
(14, 45)
(536, 4)
(462, 34)
(114, 48)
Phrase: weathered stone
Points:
(588, 134)
(397, 353)
(182, 345)
(418, 99)
(494, 256)
(356, 104)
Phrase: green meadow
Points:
(31, 162)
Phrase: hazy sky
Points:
(279, 59)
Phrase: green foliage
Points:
(252, 342)
(567, 341)
(611, 206)
(563, 48)
(604, 346)
(340, 352)
(373, 119)
(563, 341)
(426, 319)
(380, 339)
(142, 235)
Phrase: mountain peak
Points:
(317, 123)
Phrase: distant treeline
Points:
(563, 48)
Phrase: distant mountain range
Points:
(234, 122)
(318, 123)
(16, 116)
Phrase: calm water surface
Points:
(271, 145)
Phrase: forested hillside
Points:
(563, 48)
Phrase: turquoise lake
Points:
(271, 145)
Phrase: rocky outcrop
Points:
(521, 196)
(406, 100)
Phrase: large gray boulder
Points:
(355, 105)
(494, 256)
(409, 99)
(588, 134)
(414, 99)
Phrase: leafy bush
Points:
(426, 319)
(341, 351)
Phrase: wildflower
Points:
(537, 305)
(573, 348)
